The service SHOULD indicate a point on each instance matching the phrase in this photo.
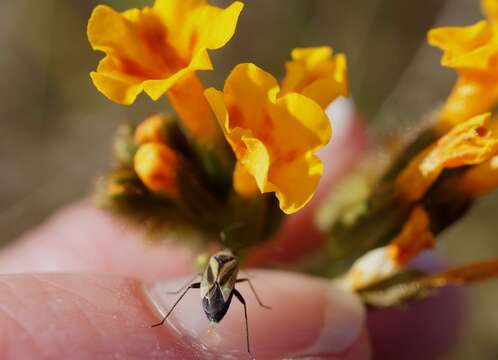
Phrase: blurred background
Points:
(55, 128)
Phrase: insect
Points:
(217, 287)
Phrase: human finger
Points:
(98, 316)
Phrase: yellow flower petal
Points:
(305, 125)
(469, 47)
(296, 182)
(472, 94)
(473, 52)
(256, 160)
(248, 82)
(243, 182)
(214, 26)
(317, 74)
(118, 88)
(490, 10)
(468, 143)
(175, 13)
(109, 31)
(234, 136)
(137, 51)
(152, 49)
(195, 25)
(274, 139)
(156, 88)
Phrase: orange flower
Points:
(317, 74)
(152, 48)
(473, 52)
(468, 143)
(274, 138)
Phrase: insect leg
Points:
(196, 285)
(253, 291)
(239, 296)
(184, 286)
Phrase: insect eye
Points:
(222, 259)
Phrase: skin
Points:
(92, 308)
(84, 285)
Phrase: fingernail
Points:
(309, 318)
(163, 295)
(344, 320)
(187, 320)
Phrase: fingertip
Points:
(309, 318)
(80, 316)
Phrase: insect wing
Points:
(227, 277)
(209, 277)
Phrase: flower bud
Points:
(156, 165)
(152, 129)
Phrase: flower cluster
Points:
(429, 185)
(247, 154)
(224, 150)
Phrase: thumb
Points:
(102, 316)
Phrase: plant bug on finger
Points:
(217, 288)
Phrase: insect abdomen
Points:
(214, 305)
